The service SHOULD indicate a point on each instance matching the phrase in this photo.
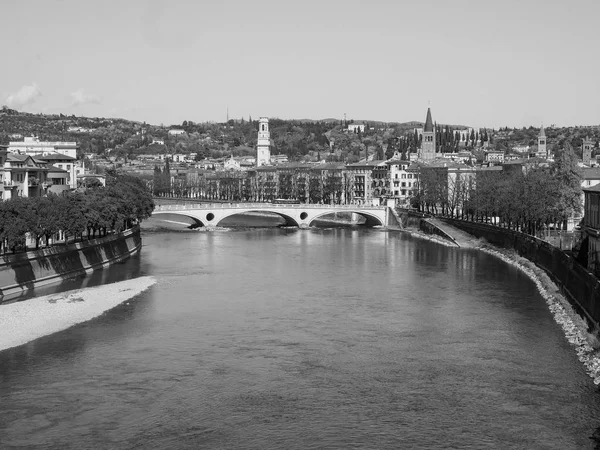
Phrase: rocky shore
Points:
(24, 321)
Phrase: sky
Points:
(477, 63)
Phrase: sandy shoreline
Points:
(24, 321)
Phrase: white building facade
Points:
(32, 146)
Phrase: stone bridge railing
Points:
(196, 206)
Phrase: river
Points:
(304, 339)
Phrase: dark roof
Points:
(428, 122)
(54, 169)
(591, 173)
(16, 157)
(55, 156)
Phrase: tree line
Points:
(74, 215)
(525, 199)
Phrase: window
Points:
(403, 184)
(68, 166)
(396, 176)
(403, 176)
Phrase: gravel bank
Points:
(24, 321)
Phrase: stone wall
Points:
(578, 284)
(24, 271)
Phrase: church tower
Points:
(542, 150)
(587, 151)
(428, 142)
(263, 144)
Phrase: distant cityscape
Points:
(341, 162)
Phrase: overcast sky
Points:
(478, 63)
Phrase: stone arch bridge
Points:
(302, 215)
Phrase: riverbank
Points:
(575, 328)
(22, 322)
(573, 325)
(23, 272)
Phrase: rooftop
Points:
(56, 156)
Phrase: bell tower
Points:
(542, 149)
(587, 145)
(428, 143)
(263, 143)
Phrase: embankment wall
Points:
(579, 285)
(24, 271)
(415, 219)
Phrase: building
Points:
(32, 146)
(176, 132)
(263, 144)
(231, 164)
(403, 176)
(586, 147)
(591, 177)
(22, 176)
(356, 128)
(63, 162)
(591, 227)
(494, 156)
(364, 188)
(279, 159)
(427, 151)
(58, 180)
(542, 151)
(521, 149)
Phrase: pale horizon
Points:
(515, 64)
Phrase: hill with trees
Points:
(300, 140)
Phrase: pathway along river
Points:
(305, 339)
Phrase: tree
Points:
(568, 183)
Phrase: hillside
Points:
(300, 140)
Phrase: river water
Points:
(304, 339)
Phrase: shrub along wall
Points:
(24, 271)
(579, 285)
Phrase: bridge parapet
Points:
(245, 206)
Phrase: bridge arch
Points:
(197, 221)
(289, 220)
(371, 219)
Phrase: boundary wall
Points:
(580, 286)
(24, 271)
